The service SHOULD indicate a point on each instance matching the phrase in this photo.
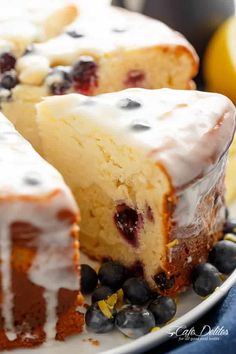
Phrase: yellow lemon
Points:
(219, 70)
(219, 63)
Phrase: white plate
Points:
(189, 309)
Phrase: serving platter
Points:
(190, 307)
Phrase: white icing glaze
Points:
(38, 204)
(100, 39)
(22, 21)
(50, 297)
(184, 133)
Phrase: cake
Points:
(147, 168)
(23, 22)
(95, 56)
(39, 252)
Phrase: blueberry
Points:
(74, 34)
(128, 103)
(97, 322)
(163, 283)
(9, 80)
(230, 227)
(89, 279)
(163, 308)
(112, 274)
(140, 127)
(101, 293)
(58, 81)
(128, 222)
(7, 62)
(134, 321)
(32, 179)
(137, 291)
(205, 278)
(223, 256)
(84, 74)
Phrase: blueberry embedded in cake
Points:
(153, 197)
(39, 252)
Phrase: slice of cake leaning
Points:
(39, 250)
(94, 56)
(147, 167)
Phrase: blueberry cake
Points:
(39, 252)
(23, 22)
(147, 168)
(94, 56)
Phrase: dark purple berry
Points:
(128, 222)
(134, 321)
(9, 80)
(97, 322)
(163, 308)
(84, 75)
(74, 34)
(128, 103)
(89, 279)
(136, 291)
(205, 278)
(58, 81)
(101, 293)
(163, 283)
(112, 274)
(223, 256)
(7, 62)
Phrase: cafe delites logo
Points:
(183, 333)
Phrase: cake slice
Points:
(23, 22)
(147, 168)
(103, 52)
(39, 252)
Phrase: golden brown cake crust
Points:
(192, 248)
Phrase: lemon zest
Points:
(173, 243)
(230, 237)
(105, 309)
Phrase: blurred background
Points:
(198, 20)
